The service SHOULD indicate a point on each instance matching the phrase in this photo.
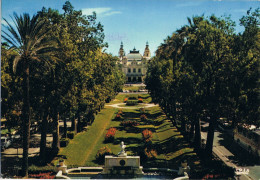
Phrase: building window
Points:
(129, 70)
(139, 70)
(134, 70)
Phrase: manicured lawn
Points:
(82, 147)
(120, 98)
(167, 141)
(133, 88)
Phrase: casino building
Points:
(134, 65)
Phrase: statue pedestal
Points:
(122, 165)
(122, 155)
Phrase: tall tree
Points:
(28, 38)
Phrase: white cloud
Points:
(102, 11)
(112, 12)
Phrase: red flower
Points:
(147, 135)
(110, 133)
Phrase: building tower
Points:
(147, 53)
(121, 52)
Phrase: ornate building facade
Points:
(134, 65)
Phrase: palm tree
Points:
(28, 36)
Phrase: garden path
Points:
(122, 106)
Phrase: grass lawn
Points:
(167, 141)
(85, 144)
(133, 88)
(120, 98)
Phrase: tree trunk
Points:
(73, 125)
(79, 123)
(210, 138)
(65, 127)
(197, 140)
(43, 135)
(56, 140)
(26, 120)
(44, 124)
(191, 134)
(183, 128)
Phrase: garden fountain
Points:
(122, 166)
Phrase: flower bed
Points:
(140, 100)
(129, 123)
(147, 135)
(47, 175)
(110, 135)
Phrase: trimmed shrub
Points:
(129, 123)
(110, 135)
(147, 135)
(64, 142)
(150, 153)
(143, 117)
(71, 134)
(120, 112)
(132, 98)
(131, 102)
(41, 169)
(140, 100)
(102, 152)
(118, 117)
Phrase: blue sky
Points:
(136, 21)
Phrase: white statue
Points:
(122, 152)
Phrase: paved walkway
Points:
(122, 106)
(33, 151)
(224, 154)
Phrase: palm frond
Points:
(15, 63)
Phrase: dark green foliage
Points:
(70, 75)
(40, 169)
(131, 102)
(102, 152)
(205, 70)
(71, 134)
(64, 142)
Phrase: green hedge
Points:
(131, 102)
(132, 98)
(39, 169)
(64, 142)
(71, 134)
